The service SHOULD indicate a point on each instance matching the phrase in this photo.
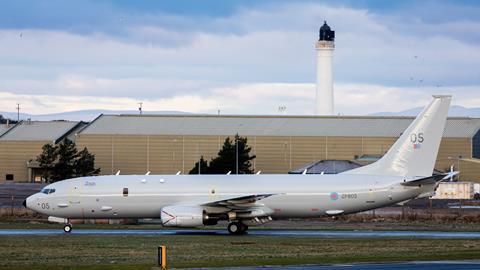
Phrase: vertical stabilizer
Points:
(415, 152)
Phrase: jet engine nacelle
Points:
(183, 216)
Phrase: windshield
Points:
(47, 190)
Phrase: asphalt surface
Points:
(282, 233)
(13, 194)
(437, 265)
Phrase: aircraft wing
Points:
(240, 201)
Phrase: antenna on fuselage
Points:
(259, 172)
(148, 173)
(118, 173)
(229, 172)
(178, 173)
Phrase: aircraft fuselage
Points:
(295, 196)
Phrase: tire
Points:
(243, 228)
(237, 228)
(234, 228)
(67, 228)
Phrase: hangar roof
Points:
(250, 125)
(40, 131)
(4, 128)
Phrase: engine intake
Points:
(185, 216)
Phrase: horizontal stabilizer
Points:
(431, 179)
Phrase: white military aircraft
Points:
(403, 173)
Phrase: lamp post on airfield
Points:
(236, 148)
(236, 155)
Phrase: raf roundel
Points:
(334, 196)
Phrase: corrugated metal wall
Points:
(14, 156)
(133, 154)
(167, 154)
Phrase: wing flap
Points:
(240, 202)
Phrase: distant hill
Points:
(85, 115)
(89, 115)
(455, 110)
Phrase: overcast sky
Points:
(247, 57)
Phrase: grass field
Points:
(139, 252)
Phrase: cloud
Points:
(252, 61)
(42, 104)
(261, 98)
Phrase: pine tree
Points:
(85, 164)
(65, 166)
(63, 161)
(46, 160)
(204, 168)
(227, 157)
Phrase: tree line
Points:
(64, 161)
(4, 120)
(233, 152)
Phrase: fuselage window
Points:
(125, 192)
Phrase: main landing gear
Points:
(237, 228)
(67, 228)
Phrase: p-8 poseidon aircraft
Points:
(403, 173)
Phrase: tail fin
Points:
(415, 152)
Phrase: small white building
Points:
(454, 190)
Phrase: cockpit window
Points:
(47, 190)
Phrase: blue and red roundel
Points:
(334, 196)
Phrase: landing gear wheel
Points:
(67, 228)
(237, 228)
(243, 228)
(233, 228)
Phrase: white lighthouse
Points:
(324, 94)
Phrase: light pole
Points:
(140, 104)
(199, 158)
(18, 112)
(236, 154)
(236, 147)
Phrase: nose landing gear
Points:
(237, 228)
(67, 228)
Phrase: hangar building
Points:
(166, 144)
(22, 142)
